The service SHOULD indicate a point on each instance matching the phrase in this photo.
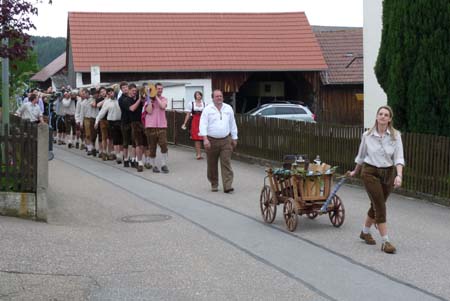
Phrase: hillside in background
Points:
(48, 49)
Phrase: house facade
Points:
(374, 94)
(342, 84)
(252, 58)
(53, 75)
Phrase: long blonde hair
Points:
(391, 128)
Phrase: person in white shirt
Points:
(79, 122)
(89, 112)
(380, 160)
(69, 106)
(219, 131)
(111, 108)
(30, 110)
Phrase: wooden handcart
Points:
(305, 193)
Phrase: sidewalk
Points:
(417, 228)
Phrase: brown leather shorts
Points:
(379, 183)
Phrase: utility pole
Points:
(5, 83)
(5, 89)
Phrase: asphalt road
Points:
(101, 241)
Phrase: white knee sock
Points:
(164, 158)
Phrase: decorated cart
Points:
(302, 189)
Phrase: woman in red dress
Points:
(195, 109)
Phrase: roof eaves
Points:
(343, 83)
(210, 70)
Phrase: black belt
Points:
(389, 167)
(213, 138)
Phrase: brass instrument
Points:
(147, 90)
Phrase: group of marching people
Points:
(129, 125)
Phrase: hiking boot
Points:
(148, 166)
(156, 169)
(126, 163)
(164, 169)
(387, 247)
(140, 168)
(367, 238)
(77, 145)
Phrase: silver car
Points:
(284, 111)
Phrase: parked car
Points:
(284, 111)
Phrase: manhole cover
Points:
(145, 218)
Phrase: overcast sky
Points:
(52, 19)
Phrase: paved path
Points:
(214, 246)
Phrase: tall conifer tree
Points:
(413, 65)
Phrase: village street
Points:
(115, 234)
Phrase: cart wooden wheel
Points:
(290, 216)
(337, 214)
(267, 205)
(312, 215)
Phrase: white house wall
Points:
(374, 96)
(178, 92)
(174, 93)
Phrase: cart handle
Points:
(342, 178)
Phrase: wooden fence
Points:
(18, 156)
(427, 157)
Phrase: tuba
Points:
(147, 91)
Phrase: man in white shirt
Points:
(219, 131)
(111, 109)
(30, 110)
(69, 106)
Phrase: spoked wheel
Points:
(337, 215)
(290, 216)
(268, 208)
(312, 215)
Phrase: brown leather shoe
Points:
(387, 247)
(140, 168)
(229, 190)
(367, 238)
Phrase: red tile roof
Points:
(51, 69)
(343, 52)
(171, 42)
